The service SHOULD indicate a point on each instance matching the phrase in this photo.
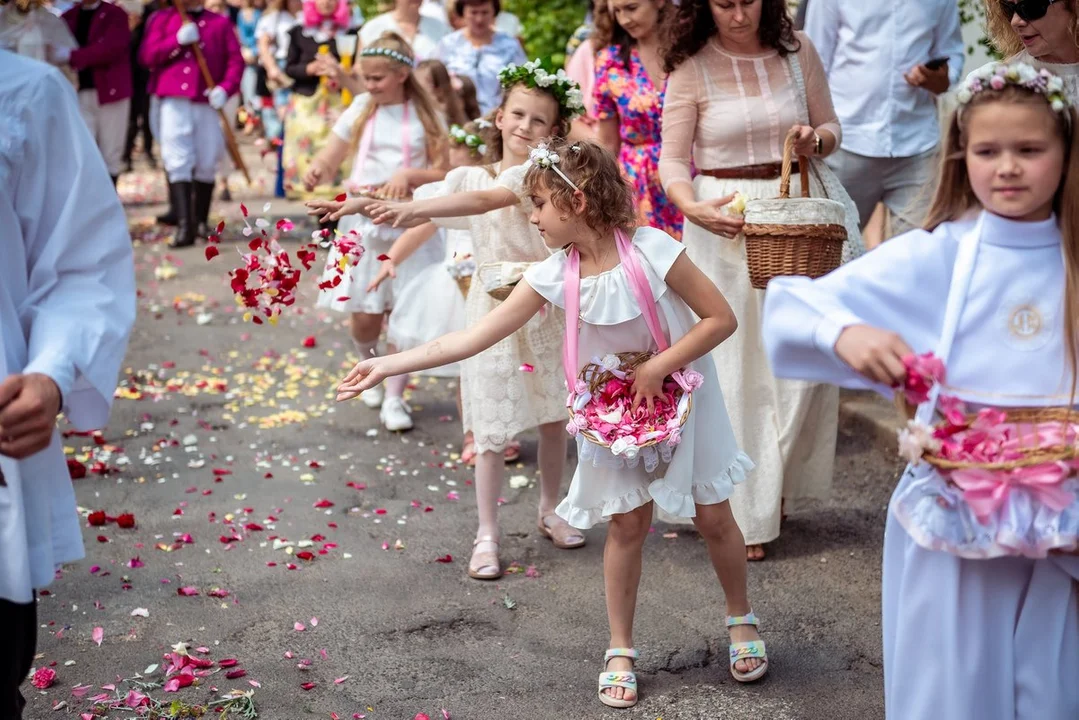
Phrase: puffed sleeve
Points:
(548, 278)
(680, 107)
(818, 95)
(513, 179)
(659, 249)
(342, 128)
(449, 185)
(80, 302)
(605, 88)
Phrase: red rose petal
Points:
(212, 252)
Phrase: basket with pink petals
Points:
(1013, 469)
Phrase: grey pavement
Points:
(399, 633)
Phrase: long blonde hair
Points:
(434, 132)
(1003, 36)
(444, 92)
(955, 198)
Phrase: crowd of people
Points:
(605, 193)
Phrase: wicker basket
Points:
(596, 377)
(464, 283)
(799, 236)
(1032, 455)
(499, 278)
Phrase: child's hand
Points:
(365, 375)
(337, 209)
(398, 186)
(874, 353)
(647, 384)
(324, 209)
(388, 270)
(393, 213)
(312, 177)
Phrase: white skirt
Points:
(351, 295)
(430, 306)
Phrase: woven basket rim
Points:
(626, 358)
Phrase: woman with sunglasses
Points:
(1042, 33)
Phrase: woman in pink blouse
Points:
(740, 79)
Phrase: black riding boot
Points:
(185, 214)
(204, 195)
(169, 218)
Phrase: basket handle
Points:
(785, 171)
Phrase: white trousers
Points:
(191, 140)
(108, 125)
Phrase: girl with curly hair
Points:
(740, 79)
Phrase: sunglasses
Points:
(1027, 10)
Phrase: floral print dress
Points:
(629, 96)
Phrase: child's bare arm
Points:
(326, 163)
(460, 204)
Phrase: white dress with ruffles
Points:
(385, 156)
(708, 463)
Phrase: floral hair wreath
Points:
(562, 86)
(389, 53)
(473, 142)
(997, 76)
(542, 156)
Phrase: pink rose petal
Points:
(98, 635)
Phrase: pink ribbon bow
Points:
(986, 490)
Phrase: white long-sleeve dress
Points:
(993, 639)
(725, 111)
(67, 304)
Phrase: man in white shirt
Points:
(67, 304)
(887, 61)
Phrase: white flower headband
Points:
(387, 52)
(544, 157)
(997, 76)
(473, 142)
(562, 86)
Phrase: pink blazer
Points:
(107, 51)
(173, 66)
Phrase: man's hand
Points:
(29, 405)
(935, 81)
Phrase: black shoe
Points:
(204, 195)
(169, 218)
(180, 193)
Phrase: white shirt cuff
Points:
(60, 369)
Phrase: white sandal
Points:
(486, 559)
(747, 650)
(625, 679)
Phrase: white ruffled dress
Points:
(385, 156)
(708, 463)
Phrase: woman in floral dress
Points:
(628, 94)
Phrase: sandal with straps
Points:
(747, 650)
(625, 679)
(486, 559)
(560, 533)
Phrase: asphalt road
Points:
(224, 444)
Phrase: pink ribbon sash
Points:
(368, 137)
(986, 491)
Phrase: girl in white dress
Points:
(582, 204)
(399, 143)
(516, 384)
(992, 278)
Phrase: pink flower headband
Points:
(997, 76)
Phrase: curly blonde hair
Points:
(598, 176)
(1003, 36)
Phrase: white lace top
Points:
(499, 399)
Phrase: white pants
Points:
(108, 125)
(191, 140)
(155, 116)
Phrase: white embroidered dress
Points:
(385, 156)
(724, 110)
(500, 400)
(707, 464)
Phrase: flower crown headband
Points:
(562, 86)
(470, 140)
(389, 53)
(542, 156)
(997, 76)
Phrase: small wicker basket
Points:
(500, 278)
(464, 283)
(1028, 456)
(596, 377)
(793, 236)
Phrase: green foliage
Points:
(548, 24)
(972, 11)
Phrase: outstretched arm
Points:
(462, 204)
(507, 318)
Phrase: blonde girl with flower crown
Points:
(516, 384)
(398, 141)
(626, 293)
(980, 594)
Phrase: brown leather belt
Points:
(765, 171)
